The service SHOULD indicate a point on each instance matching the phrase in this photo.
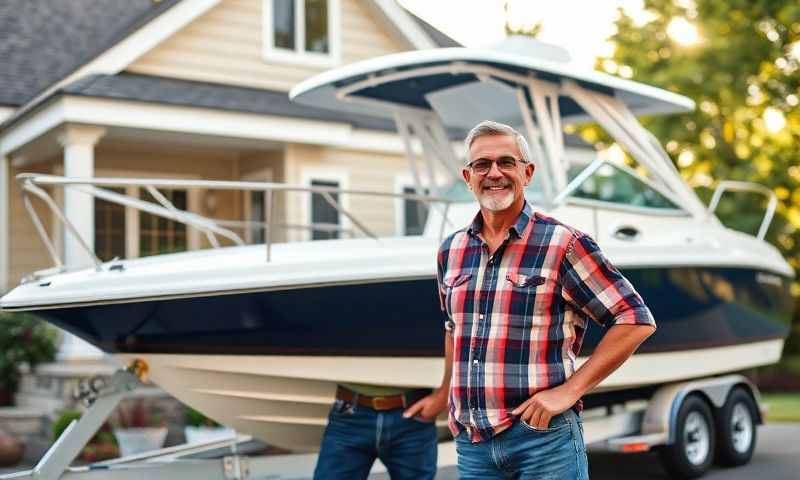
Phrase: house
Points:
(192, 89)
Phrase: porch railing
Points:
(33, 185)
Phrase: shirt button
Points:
(475, 362)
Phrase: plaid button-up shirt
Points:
(518, 316)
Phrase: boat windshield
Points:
(610, 183)
(619, 185)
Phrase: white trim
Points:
(299, 56)
(78, 144)
(128, 50)
(330, 174)
(130, 114)
(401, 21)
(6, 112)
(5, 179)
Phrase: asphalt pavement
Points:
(777, 457)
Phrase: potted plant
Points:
(24, 339)
(11, 450)
(102, 446)
(136, 430)
(201, 429)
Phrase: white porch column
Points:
(78, 142)
(5, 188)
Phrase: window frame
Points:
(299, 56)
(324, 175)
(401, 182)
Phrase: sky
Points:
(580, 26)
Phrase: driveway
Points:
(777, 457)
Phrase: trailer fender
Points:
(661, 416)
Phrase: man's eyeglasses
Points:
(483, 165)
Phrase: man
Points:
(519, 288)
(367, 422)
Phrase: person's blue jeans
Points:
(357, 435)
(522, 452)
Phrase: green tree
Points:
(743, 71)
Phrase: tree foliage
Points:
(513, 29)
(744, 74)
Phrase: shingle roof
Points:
(169, 91)
(43, 41)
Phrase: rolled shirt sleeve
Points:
(593, 286)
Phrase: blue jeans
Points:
(357, 435)
(522, 452)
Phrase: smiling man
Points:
(518, 288)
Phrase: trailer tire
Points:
(692, 452)
(736, 429)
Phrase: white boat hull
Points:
(284, 400)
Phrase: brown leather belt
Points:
(390, 402)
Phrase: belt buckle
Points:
(381, 403)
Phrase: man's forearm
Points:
(617, 345)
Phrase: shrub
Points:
(24, 339)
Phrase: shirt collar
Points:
(516, 229)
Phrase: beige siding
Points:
(27, 253)
(225, 46)
(363, 171)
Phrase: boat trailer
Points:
(678, 421)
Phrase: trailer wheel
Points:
(692, 453)
(736, 429)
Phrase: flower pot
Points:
(11, 450)
(138, 440)
(207, 434)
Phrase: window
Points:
(159, 235)
(322, 213)
(302, 31)
(109, 228)
(415, 213)
(256, 214)
(613, 184)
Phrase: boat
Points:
(257, 336)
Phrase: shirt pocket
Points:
(456, 294)
(529, 292)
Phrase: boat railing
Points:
(739, 186)
(33, 185)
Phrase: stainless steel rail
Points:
(738, 186)
(31, 184)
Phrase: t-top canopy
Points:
(415, 79)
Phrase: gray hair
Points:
(488, 128)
